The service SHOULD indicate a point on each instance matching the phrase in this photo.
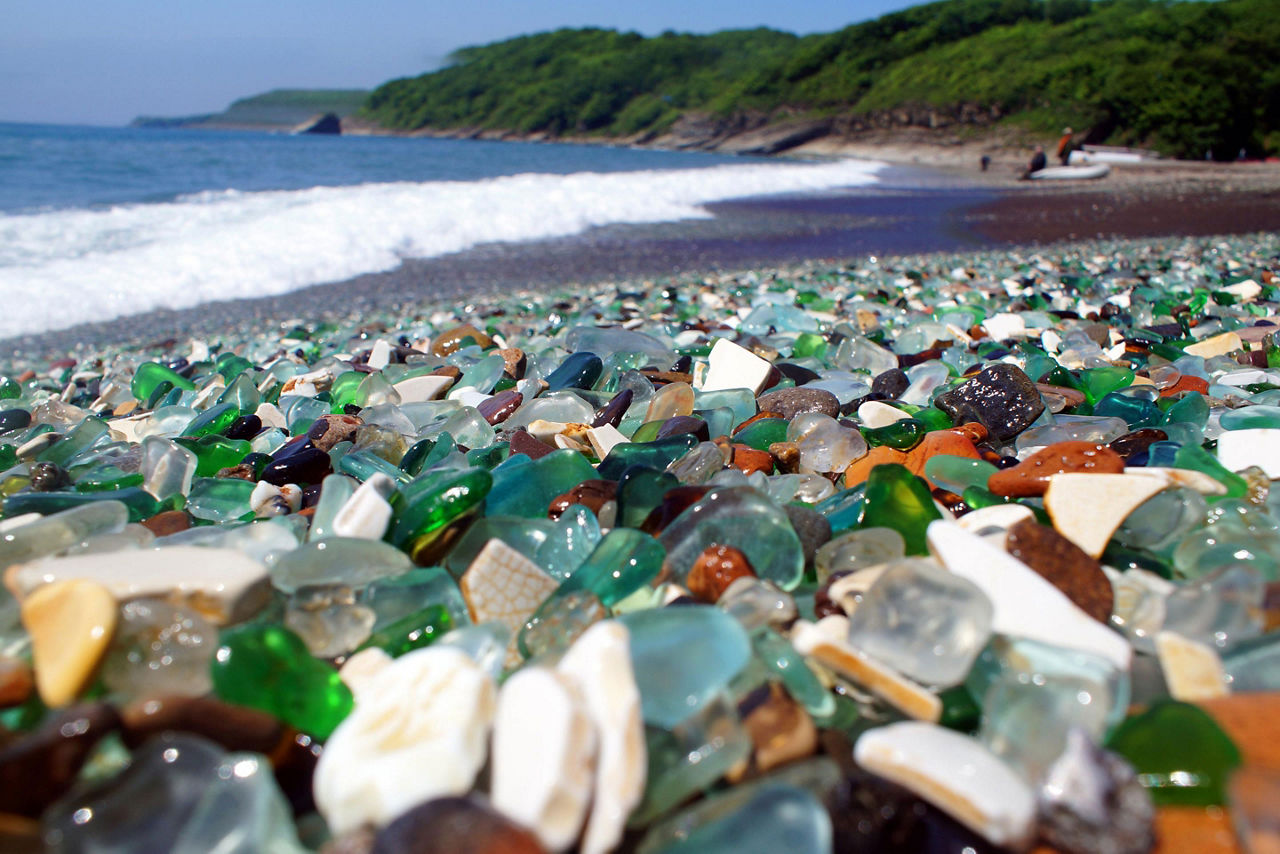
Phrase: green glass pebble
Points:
(809, 344)
(483, 374)
(1189, 409)
(435, 499)
(1135, 411)
(242, 394)
(415, 631)
(364, 464)
(640, 490)
(648, 431)
(1198, 459)
(763, 433)
(901, 435)
(683, 657)
(77, 440)
(343, 391)
(621, 563)
(558, 622)
(1250, 417)
(214, 453)
(220, 499)
(269, 668)
(231, 366)
(959, 710)
(525, 487)
(215, 419)
(957, 473)
(10, 390)
(1097, 383)
(783, 663)
(580, 370)
(140, 503)
(8, 457)
(105, 478)
(414, 461)
(1180, 753)
(895, 498)
(658, 455)
(149, 376)
(487, 458)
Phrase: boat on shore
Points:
(1071, 173)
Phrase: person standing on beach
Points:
(1065, 145)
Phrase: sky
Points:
(103, 63)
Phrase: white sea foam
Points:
(66, 267)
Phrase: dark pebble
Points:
(790, 402)
(1001, 398)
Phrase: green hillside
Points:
(1183, 77)
(279, 108)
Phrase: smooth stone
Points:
(504, 586)
(454, 826)
(811, 527)
(682, 658)
(1031, 476)
(600, 663)
(16, 681)
(925, 622)
(328, 430)
(419, 732)
(1192, 670)
(1239, 449)
(1088, 508)
(70, 624)
(954, 773)
(1091, 801)
(790, 402)
(733, 366)
(1026, 605)
(715, 569)
(826, 642)
(1002, 398)
(268, 667)
(543, 759)
(1181, 755)
(224, 585)
(1064, 565)
(40, 767)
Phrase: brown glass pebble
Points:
(452, 340)
(1031, 476)
(1064, 565)
(500, 407)
(715, 569)
(1137, 442)
(592, 494)
(168, 522)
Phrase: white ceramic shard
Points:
(600, 662)
(422, 389)
(1002, 327)
(359, 670)
(1087, 508)
(1259, 446)
(875, 414)
(419, 730)
(262, 495)
(604, 438)
(544, 430)
(380, 355)
(1193, 671)
(223, 585)
(955, 773)
(824, 645)
(503, 585)
(1217, 345)
(730, 365)
(271, 416)
(543, 763)
(993, 523)
(1190, 478)
(1026, 606)
(366, 514)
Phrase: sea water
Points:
(97, 223)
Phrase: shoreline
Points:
(918, 210)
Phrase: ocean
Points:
(99, 223)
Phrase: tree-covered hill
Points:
(1184, 77)
(277, 109)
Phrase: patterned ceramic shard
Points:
(505, 586)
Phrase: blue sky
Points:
(95, 62)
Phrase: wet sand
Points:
(913, 211)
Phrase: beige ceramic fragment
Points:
(841, 657)
(955, 773)
(359, 670)
(223, 585)
(731, 366)
(366, 514)
(1087, 508)
(1190, 478)
(1217, 345)
(419, 730)
(1193, 671)
(422, 389)
(543, 762)
(545, 431)
(271, 416)
(604, 438)
(875, 414)
(600, 663)
(503, 585)
(71, 624)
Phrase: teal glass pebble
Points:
(1251, 417)
(140, 503)
(640, 490)
(782, 661)
(763, 433)
(580, 370)
(957, 473)
(683, 657)
(268, 667)
(525, 487)
(220, 499)
(624, 561)
(768, 817)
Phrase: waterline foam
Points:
(61, 268)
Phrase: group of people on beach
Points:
(1066, 145)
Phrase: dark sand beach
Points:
(914, 210)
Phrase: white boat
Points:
(1068, 173)
(1110, 154)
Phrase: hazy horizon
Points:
(76, 62)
